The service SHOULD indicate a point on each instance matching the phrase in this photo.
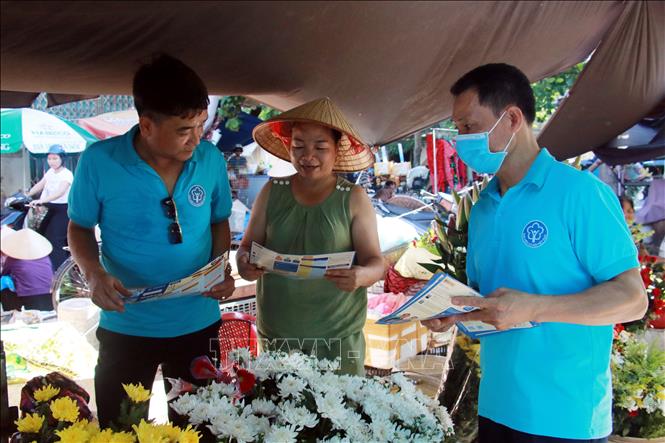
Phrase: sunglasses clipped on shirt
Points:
(174, 232)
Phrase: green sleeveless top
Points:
(290, 308)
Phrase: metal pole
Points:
(435, 185)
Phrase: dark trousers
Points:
(41, 302)
(54, 228)
(131, 359)
(492, 432)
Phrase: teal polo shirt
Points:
(115, 188)
(558, 231)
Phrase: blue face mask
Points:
(474, 150)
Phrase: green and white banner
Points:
(37, 131)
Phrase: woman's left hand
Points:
(35, 203)
(223, 290)
(347, 279)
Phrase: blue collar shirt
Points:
(115, 188)
(558, 231)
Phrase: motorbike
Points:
(15, 211)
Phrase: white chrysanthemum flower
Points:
(617, 359)
(241, 430)
(299, 416)
(290, 386)
(332, 407)
(263, 407)
(184, 404)
(282, 434)
(329, 365)
(336, 439)
(402, 435)
(356, 428)
(650, 404)
(240, 355)
(382, 430)
(200, 413)
(262, 425)
(625, 336)
(222, 389)
(222, 424)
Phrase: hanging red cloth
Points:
(450, 170)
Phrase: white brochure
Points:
(200, 281)
(299, 266)
(433, 301)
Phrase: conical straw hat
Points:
(274, 135)
(26, 244)
(5, 231)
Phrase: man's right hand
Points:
(247, 270)
(106, 291)
(439, 324)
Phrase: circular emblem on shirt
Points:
(534, 234)
(196, 195)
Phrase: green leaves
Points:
(551, 90)
(231, 106)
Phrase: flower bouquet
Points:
(638, 379)
(54, 409)
(653, 277)
(279, 397)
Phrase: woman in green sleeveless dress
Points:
(314, 212)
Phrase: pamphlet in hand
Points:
(200, 281)
(299, 266)
(433, 301)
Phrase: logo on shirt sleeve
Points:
(534, 234)
(196, 195)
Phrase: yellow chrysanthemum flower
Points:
(108, 436)
(45, 393)
(172, 433)
(147, 433)
(137, 393)
(122, 437)
(65, 409)
(30, 424)
(73, 434)
(92, 428)
(189, 435)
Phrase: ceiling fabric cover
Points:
(387, 65)
(14, 99)
(623, 81)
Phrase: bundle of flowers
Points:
(56, 416)
(279, 397)
(653, 277)
(638, 379)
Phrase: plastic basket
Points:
(245, 305)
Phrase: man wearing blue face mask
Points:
(548, 244)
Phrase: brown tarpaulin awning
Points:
(623, 81)
(388, 65)
(13, 99)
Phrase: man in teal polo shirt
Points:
(161, 199)
(547, 244)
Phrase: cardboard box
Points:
(401, 169)
(385, 345)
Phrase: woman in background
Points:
(54, 188)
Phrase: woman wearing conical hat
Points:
(312, 212)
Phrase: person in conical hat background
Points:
(314, 211)
(25, 258)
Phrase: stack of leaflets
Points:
(200, 281)
(298, 266)
(433, 301)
